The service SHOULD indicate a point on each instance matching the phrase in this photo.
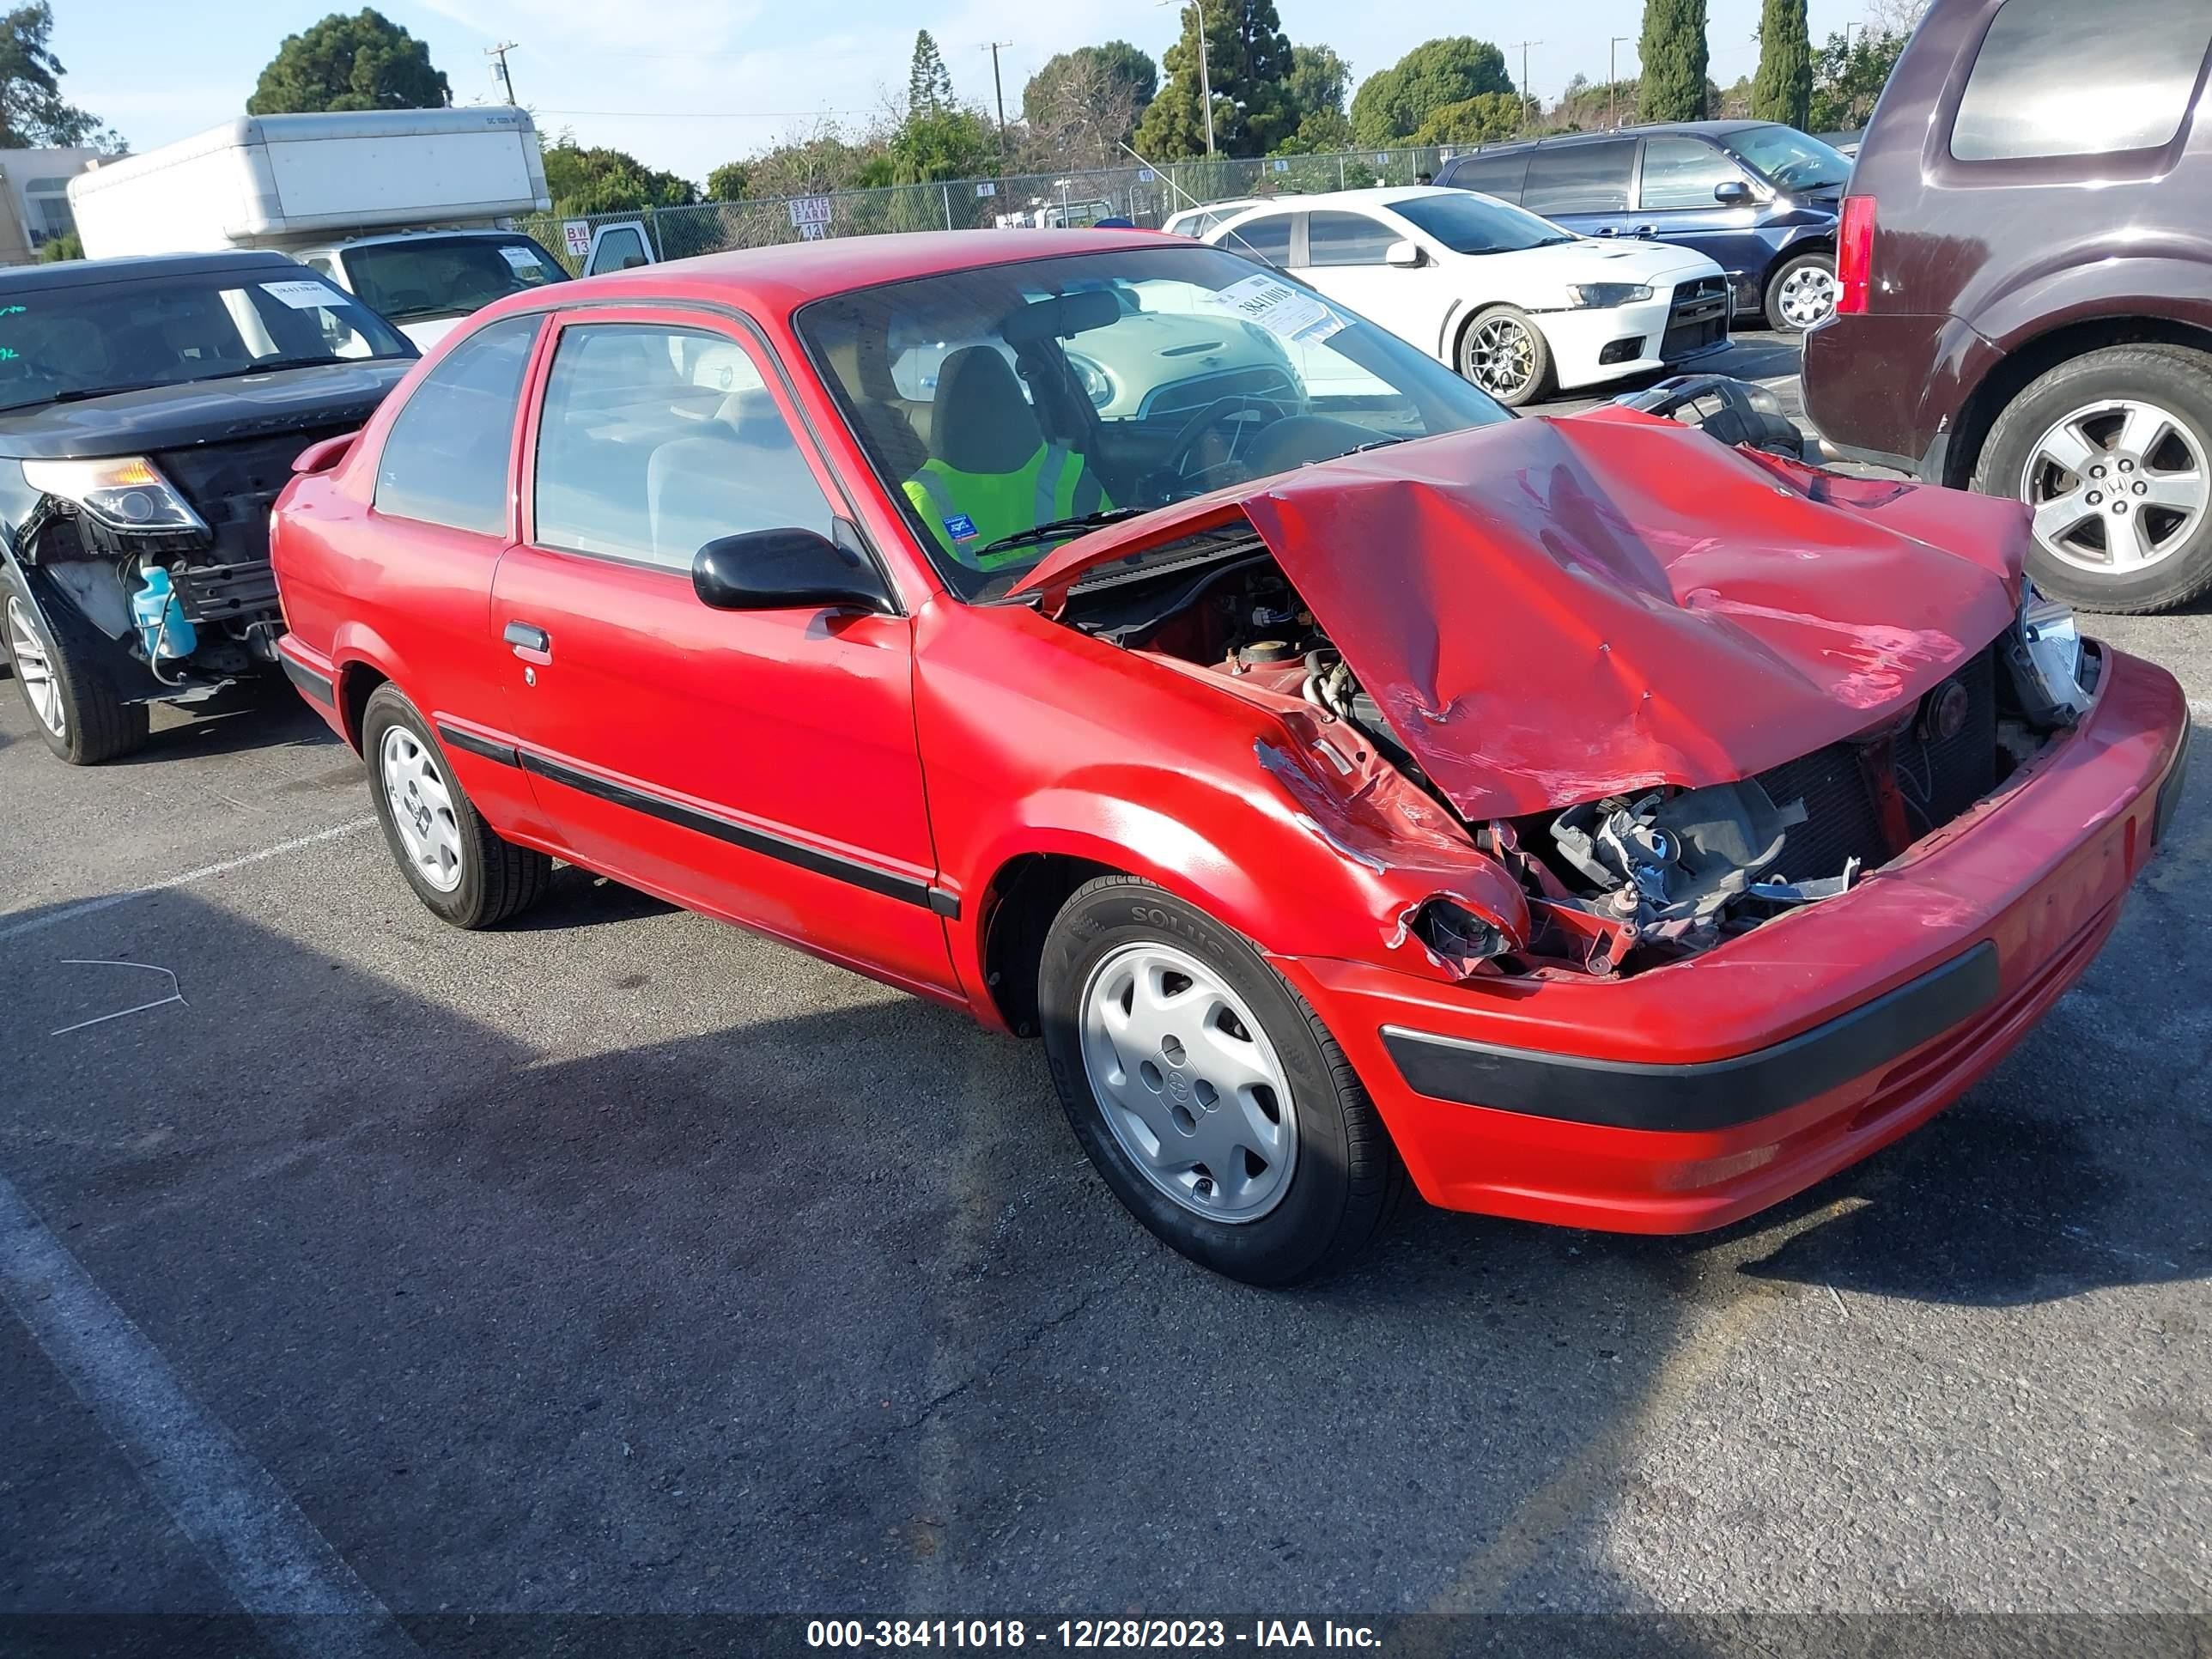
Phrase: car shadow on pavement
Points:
(258, 714)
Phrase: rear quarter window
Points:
(445, 458)
(1493, 175)
(2056, 78)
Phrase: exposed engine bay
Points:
(1631, 880)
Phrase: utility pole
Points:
(1205, 78)
(998, 87)
(1613, 82)
(500, 52)
(1524, 46)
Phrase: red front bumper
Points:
(1868, 1013)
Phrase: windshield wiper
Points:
(1047, 531)
(271, 365)
(77, 394)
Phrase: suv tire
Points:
(1147, 999)
(1802, 294)
(2108, 399)
(61, 664)
(463, 872)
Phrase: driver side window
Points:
(1683, 172)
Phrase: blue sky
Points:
(687, 84)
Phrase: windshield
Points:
(1061, 392)
(1467, 223)
(1789, 159)
(446, 276)
(92, 338)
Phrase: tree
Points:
(31, 112)
(1783, 90)
(1083, 105)
(1848, 75)
(67, 245)
(363, 61)
(727, 182)
(950, 142)
(1482, 119)
(1392, 103)
(1589, 106)
(1673, 51)
(928, 82)
(584, 181)
(1247, 60)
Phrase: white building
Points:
(34, 208)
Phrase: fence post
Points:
(945, 191)
(1339, 172)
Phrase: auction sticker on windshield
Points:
(521, 258)
(308, 295)
(1288, 312)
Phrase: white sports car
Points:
(1518, 306)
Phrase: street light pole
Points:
(1205, 80)
(1613, 82)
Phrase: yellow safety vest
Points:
(968, 511)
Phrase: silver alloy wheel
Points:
(1806, 296)
(35, 669)
(422, 808)
(1188, 1083)
(1501, 357)
(2117, 486)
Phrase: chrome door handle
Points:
(1645, 230)
(528, 636)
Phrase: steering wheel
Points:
(1176, 469)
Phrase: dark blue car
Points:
(1758, 199)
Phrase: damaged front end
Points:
(165, 554)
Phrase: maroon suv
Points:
(2025, 280)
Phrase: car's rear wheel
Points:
(1207, 1094)
(460, 868)
(61, 668)
(2112, 451)
(1505, 353)
(1802, 293)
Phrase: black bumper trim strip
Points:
(469, 743)
(909, 889)
(312, 684)
(1716, 1094)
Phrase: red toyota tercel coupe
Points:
(1587, 820)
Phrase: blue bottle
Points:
(163, 628)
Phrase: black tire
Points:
(497, 879)
(2177, 380)
(96, 723)
(1779, 283)
(1346, 1180)
(1539, 383)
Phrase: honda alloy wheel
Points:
(421, 809)
(2117, 486)
(35, 669)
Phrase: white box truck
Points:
(409, 210)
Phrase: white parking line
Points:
(109, 901)
(271, 1558)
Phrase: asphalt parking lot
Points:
(619, 1261)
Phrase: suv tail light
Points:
(1854, 255)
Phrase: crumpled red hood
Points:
(1551, 610)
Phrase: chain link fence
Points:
(1146, 196)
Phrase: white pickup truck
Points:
(411, 210)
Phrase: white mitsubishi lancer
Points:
(1518, 305)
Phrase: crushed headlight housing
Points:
(123, 492)
(2047, 658)
(1598, 296)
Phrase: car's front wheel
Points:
(1207, 1094)
(460, 868)
(1505, 353)
(1802, 294)
(2113, 453)
(62, 667)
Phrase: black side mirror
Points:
(1732, 192)
(786, 570)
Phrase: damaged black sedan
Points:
(149, 412)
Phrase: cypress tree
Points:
(1783, 88)
(1673, 51)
